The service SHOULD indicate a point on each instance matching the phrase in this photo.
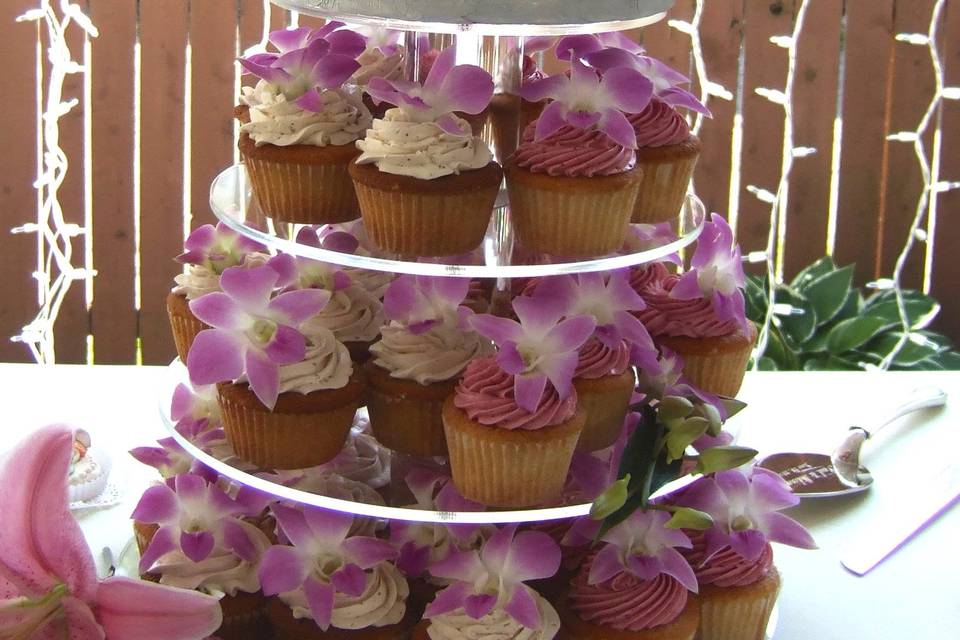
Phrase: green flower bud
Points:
(674, 408)
(723, 458)
(686, 518)
(682, 436)
(611, 500)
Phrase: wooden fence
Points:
(154, 127)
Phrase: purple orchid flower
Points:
(323, 62)
(323, 559)
(608, 297)
(422, 302)
(252, 334)
(494, 576)
(585, 100)
(217, 248)
(644, 237)
(194, 517)
(447, 88)
(661, 375)
(48, 582)
(297, 272)
(421, 545)
(642, 545)
(745, 510)
(386, 40)
(539, 348)
(716, 273)
(169, 459)
(198, 404)
(287, 40)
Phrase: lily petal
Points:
(139, 609)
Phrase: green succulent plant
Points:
(837, 327)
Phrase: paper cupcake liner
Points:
(605, 402)
(502, 468)
(738, 613)
(407, 423)
(278, 440)
(663, 189)
(303, 193)
(555, 215)
(244, 616)
(720, 370)
(183, 324)
(424, 223)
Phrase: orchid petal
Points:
(678, 97)
(606, 564)
(286, 267)
(346, 42)
(644, 567)
(294, 526)
(340, 241)
(413, 559)
(157, 504)
(442, 66)
(293, 307)
(289, 39)
(215, 356)
(368, 552)
(510, 359)
(201, 238)
(465, 88)
(522, 607)
(250, 287)
(329, 527)
(785, 530)
(577, 46)
(281, 570)
(450, 599)
(333, 70)
(770, 492)
(496, 551)
(400, 298)
(543, 89)
(538, 315)
(534, 44)
(458, 565)
(583, 77)
(749, 544)
(182, 402)
(236, 539)
(610, 58)
(560, 371)
(533, 555)
(349, 579)
(478, 605)
(128, 608)
(585, 119)
(310, 101)
(220, 311)
(196, 545)
(629, 89)
(161, 544)
(552, 119)
(271, 74)
(675, 565)
(500, 330)
(320, 600)
(570, 334)
(687, 287)
(529, 388)
(264, 376)
(451, 125)
(613, 123)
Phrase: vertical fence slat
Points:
(721, 35)
(946, 247)
(113, 314)
(213, 40)
(815, 108)
(17, 196)
(668, 44)
(163, 40)
(912, 87)
(765, 65)
(869, 51)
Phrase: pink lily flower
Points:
(421, 302)
(539, 348)
(643, 546)
(494, 576)
(716, 273)
(48, 583)
(323, 560)
(447, 88)
(217, 248)
(584, 100)
(252, 334)
(745, 509)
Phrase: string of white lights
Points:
(933, 185)
(56, 272)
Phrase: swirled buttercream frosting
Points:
(659, 125)
(382, 603)
(485, 393)
(597, 360)
(198, 280)
(440, 353)
(353, 314)
(573, 152)
(625, 602)
(221, 572)
(726, 568)
(278, 121)
(668, 316)
(375, 64)
(326, 365)
(401, 145)
(496, 625)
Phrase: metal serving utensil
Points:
(818, 475)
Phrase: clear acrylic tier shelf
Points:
(489, 17)
(232, 201)
(394, 498)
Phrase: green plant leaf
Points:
(853, 332)
(927, 364)
(830, 363)
(812, 271)
(921, 310)
(851, 306)
(910, 354)
(950, 360)
(799, 327)
(828, 293)
(755, 296)
(818, 343)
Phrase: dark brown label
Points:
(805, 472)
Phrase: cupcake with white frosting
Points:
(418, 362)
(426, 184)
(300, 124)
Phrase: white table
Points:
(911, 595)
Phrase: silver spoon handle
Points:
(921, 398)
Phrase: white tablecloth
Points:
(911, 595)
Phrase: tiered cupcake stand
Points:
(484, 32)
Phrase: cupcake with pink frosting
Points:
(666, 150)
(700, 314)
(573, 180)
(512, 423)
(637, 586)
(733, 560)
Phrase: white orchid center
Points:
(712, 278)
(326, 564)
(263, 330)
(530, 357)
(741, 523)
